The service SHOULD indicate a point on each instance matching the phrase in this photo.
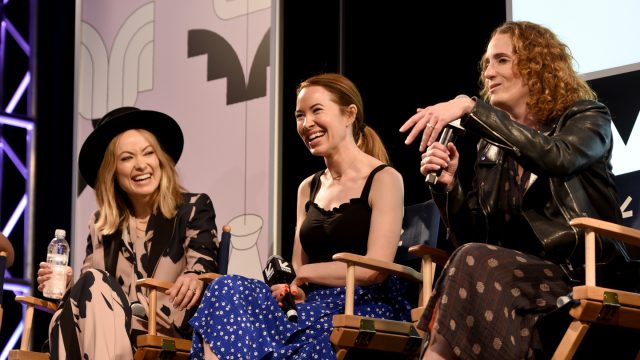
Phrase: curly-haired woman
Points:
(543, 159)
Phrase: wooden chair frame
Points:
(32, 303)
(154, 346)
(353, 331)
(596, 304)
(150, 345)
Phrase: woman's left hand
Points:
(432, 119)
(186, 291)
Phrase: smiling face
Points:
(506, 87)
(138, 169)
(321, 123)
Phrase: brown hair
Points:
(114, 204)
(345, 93)
(545, 64)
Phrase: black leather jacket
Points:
(571, 176)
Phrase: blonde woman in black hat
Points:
(147, 225)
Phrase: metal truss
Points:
(16, 145)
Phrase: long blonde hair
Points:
(546, 66)
(114, 204)
(345, 93)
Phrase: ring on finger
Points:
(193, 290)
(429, 125)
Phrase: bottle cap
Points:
(60, 233)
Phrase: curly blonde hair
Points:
(114, 204)
(345, 93)
(546, 66)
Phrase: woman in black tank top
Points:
(354, 205)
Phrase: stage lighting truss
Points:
(16, 143)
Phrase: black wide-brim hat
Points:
(119, 120)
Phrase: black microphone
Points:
(279, 271)
(447, 135)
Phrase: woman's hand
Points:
(298, 294)
(44, 274)
(278, 291)
(432, 119)
(186, 291)
(439, 156)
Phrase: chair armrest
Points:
(593, 226)
(155, 284)
(39, 304)
(378, 265)
(32, 303)
(619, 232)
(353, 260)
(431, 257)
(163, 285)
(208, 277)
(438, 256)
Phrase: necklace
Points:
(141, 226)
(338, 177)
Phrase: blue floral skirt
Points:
(239, 318)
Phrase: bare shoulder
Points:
(388, 176)
(305, 185)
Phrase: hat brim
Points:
(163, 126)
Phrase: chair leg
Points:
(26, 332)
(571, 340)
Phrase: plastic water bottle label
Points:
(55, 287)
(57, 259)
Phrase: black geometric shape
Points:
(223, 62)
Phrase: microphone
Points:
(278, 271)
(447, 135)
(138, 310)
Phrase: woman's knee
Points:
(93, 280)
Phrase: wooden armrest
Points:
(378, 265)
(438, 256)
(615, 231)
(596, 293)
(32, 303)
(163, 285)
(208, 277)
(156, 284)
(593, 226)
(353, 260)
(39, 304)
(430, 258)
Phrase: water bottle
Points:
(57, 257)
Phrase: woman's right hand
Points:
(439, 156)
(44, 274)
(278, 291)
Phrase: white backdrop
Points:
(206, 63)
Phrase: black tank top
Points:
(343, 229)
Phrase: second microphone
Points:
(279, 271)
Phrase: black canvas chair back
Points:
(420, 225)
(223, 250)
